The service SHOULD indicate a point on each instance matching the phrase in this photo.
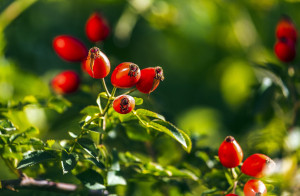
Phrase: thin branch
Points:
(30, 183)
(105, 87)
(130, 91)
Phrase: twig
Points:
(29, 183)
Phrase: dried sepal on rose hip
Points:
(150, 79)
(125, 75)
(123, 104)
(255, 188)
(96, 28)
(69, 48)
(230, 153)
(97, 64)
(66, 82)
(258, 165)
(286, 28)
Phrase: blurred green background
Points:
(207, 48)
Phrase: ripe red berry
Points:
(96, 28)
(285, 49)
(230, 153)
(65, 82)
(69, 48)
(258, 165)
(255, 188)
(124, 104)
(150, 79)
(231, 194)
(125, 75)
(96, 64)
(285, 28)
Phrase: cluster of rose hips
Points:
(97, 65)
(257, 166)
(286, 34)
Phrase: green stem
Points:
(75, 142)
(111, 98)
(130, 91)
(139, 118)
(105, 87)
(233, 186)
(13, 11)
(103, 124)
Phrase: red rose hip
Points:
(286, 28)
(123, 104)
(258, 165)
(65, 82)
(285, 49)
(255, 188)
(231, 194)
(96, 64)
(230, 153)
(69, 48)
(96, 28)
(125, 75)
(150, 79)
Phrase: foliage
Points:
(222, 78)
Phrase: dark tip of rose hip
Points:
(283, 39)
(124, 101)
(124, 104)
(286, 17)
(159, 74)
(229, 139)
(94, 52)
(133, 68)
(258, 194)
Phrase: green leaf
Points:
(28, 132)
(172, 131)
(103, 95)
(34, 157)
(138, 101)
(68, 161)
(30, 100)
(91, 179)
(90, 110)
(114, 179)
(268, 73)
(93, 127)
(181, 173)
(115, 162)
(73, 135)
(89, 146)
(135, 131)
(58, 104)
(6, 125)
(148, 113)
(97, 163)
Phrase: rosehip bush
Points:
(149, 98)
